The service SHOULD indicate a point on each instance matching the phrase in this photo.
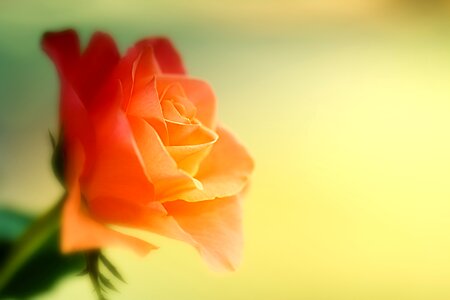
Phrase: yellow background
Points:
(345, 106)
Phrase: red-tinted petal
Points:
(167, 56)
(79, 231)
(76, 125)
(95, 67)
(63, 48)
(119, 170)
(136, 69)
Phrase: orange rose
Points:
(142, 149)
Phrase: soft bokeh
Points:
(344, 105)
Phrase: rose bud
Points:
(142, 148)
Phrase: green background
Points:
(344, 106)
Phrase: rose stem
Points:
(30, 241)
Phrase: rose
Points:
(142, 149)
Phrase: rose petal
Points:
(76, 124)
(119, 169)
(174, 92)
(145, 104)
(171, 112)
(124, 72)
(153, 217)
(160, 166)
(86, 72)
(145, 67)
(167, 56)
(198, 92)
(189, 144)
(224, 172)
(215, 225)
(79, 230)
(64, 49)
(188, 158)
(95, 66)
(181, 134)
(136, 69)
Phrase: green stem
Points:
(31, 240)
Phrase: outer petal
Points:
(95, 66)
(153, 217)
(75, 123)
(136, 68)
(198, 92)
(145, 67)
(224, 172)
(64, 49)
(215, 225)
(167, 56)
(136, 71)
(79, 230)
(86, 72)
(118, 170)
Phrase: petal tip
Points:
(51, 37)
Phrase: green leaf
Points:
(12, 224)
(45, 267)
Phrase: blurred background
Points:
(345, 106)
